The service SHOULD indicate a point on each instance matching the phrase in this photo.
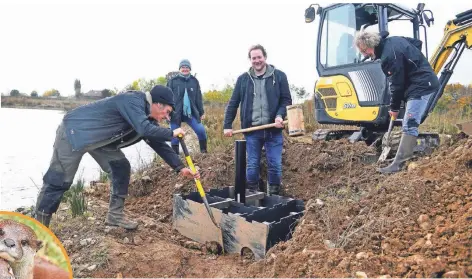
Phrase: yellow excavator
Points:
(352, 90)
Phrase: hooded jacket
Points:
(409, 73)
(277, 96)
(260, 105)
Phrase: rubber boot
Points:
(116, 216)
(273, 189)
(203, 146)
(43, 218)
(404, 153)
(252, 186)
(176, 148)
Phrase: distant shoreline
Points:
(23, 102)
(35, 107)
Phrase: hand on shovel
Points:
(186, 172)
(393, 114)
(177, 132)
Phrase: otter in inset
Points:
(18, 246)
(5, 270)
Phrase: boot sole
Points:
(118, 226)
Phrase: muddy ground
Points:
(417, 223)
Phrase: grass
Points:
(442, 122)
(75, 197)
(103, 177)
(213, 122)
(100, 257)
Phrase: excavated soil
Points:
(416, 223)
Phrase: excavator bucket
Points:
(465, 127)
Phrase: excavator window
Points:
(340, 24)
(337, 40)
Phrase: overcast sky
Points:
(109, 44)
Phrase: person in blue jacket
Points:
(262, 93)
(188, 104)
(411, 79)
(102, 129)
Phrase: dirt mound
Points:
(340, 166)
(412, 224)
(151, 190)
(308, 168)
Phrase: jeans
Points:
(272, 140)
(414, 111)
(194, 124)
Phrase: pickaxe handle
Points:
(257, 128)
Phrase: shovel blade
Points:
(465, 127)
(384, 154)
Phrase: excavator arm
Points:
(456, 33)
(457, 37)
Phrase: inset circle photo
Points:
(28, 250)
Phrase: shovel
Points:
(197, 181)
(465, 127)
(387, 148)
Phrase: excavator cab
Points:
(352, 90)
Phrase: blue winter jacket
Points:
(112, 121)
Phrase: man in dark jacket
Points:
(411, 79)
(102, 128)
(188, 104)
(264, 94)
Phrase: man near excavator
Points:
(411, 79)
(102, 128)
(264, 94)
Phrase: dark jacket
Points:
(409, 73)
(278, 97)
(117, 122)
(178, 85)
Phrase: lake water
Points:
(27, 138)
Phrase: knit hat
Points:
(185, 62)
(162, 94)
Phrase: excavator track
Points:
(327, 134)
(425, 144)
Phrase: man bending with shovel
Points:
(102, 128)
(264, 94)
